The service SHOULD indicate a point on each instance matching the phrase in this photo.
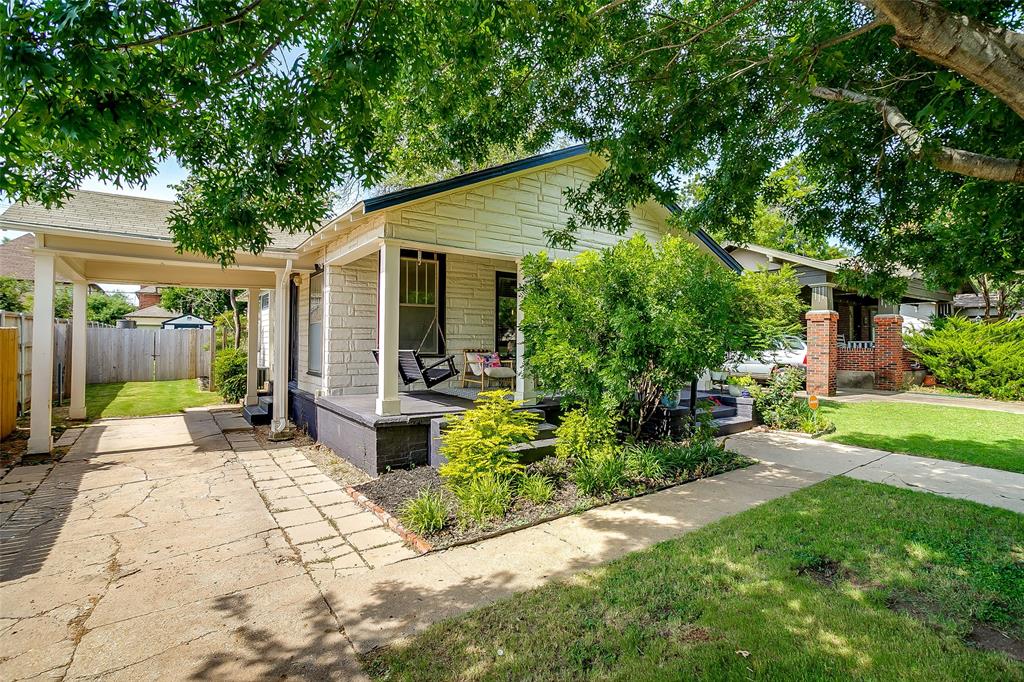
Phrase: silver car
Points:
(788, 351)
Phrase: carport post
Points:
(40, 440)
(279, 422)
(79, 339)
(253, 330)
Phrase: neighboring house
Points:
(972, 306)
(851, 355)
(187, 322)
(17, 261)
(856, 312)
(433, 268)
(148, 295)
(150, 317)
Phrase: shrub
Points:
(620, 328)
(229, 374)
(601, 473)
(986, 358)
(477, 442)
(425, 513)
(584, 431)
(779, 408)
(536, 488)
(485, 496)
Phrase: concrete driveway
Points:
(147, 553)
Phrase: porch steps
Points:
(260, 413)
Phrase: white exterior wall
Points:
(350, 327)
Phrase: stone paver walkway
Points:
(987, 486)
(147, 552)
(335, 536)
(850, 395)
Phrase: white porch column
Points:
(79, 338)
(279, 421)
(388, 401)
(40, 440)
(253, 330)
(525, 390)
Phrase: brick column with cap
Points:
(822, 352)
(888, 352)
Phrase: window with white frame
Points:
(420, 313)
(316, 327)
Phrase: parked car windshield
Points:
(794, 343)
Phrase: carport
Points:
(99, 237)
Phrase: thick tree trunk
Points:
(235, 317)
(942, 157)
(991, 57)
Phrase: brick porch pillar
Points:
(888, 352)
(822, 352)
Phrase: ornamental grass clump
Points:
(425, 513)
(485, 497)
(535, 488)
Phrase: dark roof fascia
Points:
(403, 196)
(710, 242)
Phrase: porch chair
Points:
(411, 368)
(479, 366)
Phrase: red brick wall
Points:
(856, 359)
(148, 299)
(889, 359)
(822, 352)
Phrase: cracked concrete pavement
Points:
(951, 479)
(147, 552)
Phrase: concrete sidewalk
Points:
(399, 600)
(850, 395)
(951, 479)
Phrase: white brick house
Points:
(421, 268)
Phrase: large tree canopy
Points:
(907, 114)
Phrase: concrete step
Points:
(729, 425)
(257, 414)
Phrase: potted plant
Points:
(738, 384)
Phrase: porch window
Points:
(420, 302)
(316, 317)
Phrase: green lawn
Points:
(982, 437)
(845, 579)
(142, 398)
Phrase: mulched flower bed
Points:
(391, 491)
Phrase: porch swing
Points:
(412, 368)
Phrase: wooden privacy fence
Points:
(8, 380)
(113, 355)
(147, 354)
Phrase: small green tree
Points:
(617, 329)
(229, 373)
(768, 307)
(12, 294)
(107, 308)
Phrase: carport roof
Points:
(116, 215)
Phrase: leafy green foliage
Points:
(12, 294)
(779, 408)
(984, 358)
(601, 473)
(643, 461)
(107, 308)
(536, 488)
(582, 431)
(204, 303)
(485, 496)
(476, 442)
(617, 329)
(229, 372)
(768, 307)
(425, 513)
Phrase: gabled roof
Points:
(193, 319)
(115, 215)
(153, 311)
(18, 261)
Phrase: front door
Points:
(506, 301)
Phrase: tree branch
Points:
(234, 19)
(990, 57)
(944, 158)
